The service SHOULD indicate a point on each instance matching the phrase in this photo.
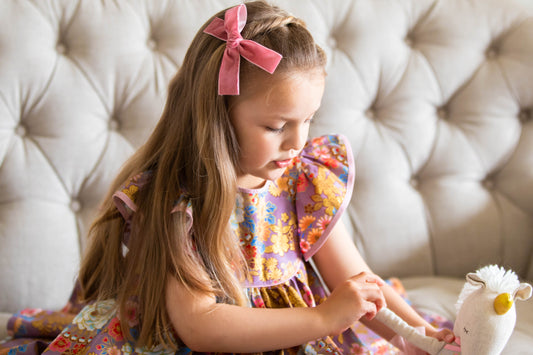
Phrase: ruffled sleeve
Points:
(323, 190)
(124, 200)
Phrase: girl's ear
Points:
(523, 292)
(474, 279)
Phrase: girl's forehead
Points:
(284, 91)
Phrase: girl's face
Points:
(272, 123)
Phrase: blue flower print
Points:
(270, 218)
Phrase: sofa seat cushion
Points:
(439, 294)
(4, 317)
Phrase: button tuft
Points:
(414, 182)
(61, 48)
(488, 184)
(442, 113)
(409, 41)
(75, 205)
(370, 113)
(492, 53)
(20, 130)
(524, 115)
(152, 44)
(114, 124)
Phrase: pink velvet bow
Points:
(229, 30)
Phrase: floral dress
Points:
(280, 227)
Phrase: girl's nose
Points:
(296, 138)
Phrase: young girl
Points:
(204, 241)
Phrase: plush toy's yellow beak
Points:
(502, 303)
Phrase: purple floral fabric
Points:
(280, 226)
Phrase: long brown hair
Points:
(193, 148)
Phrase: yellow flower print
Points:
(283, 183)
(274, 190)
(256, 263)
(271, 263)
(280, 241)
(131, 191)
(292, 220)
(305, 222)
(327, 184)
(290, 268)
(284, 217)
(276, 274)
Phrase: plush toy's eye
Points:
(465, 330)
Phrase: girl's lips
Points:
(283, 163)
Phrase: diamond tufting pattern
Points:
(436, 98)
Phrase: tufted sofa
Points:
(436, 98)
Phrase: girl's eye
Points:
(275, 130)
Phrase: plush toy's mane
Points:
(497, 280)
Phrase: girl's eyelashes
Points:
(282, 128)
(275, 130)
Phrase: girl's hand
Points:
(444, 335)
(359, 296)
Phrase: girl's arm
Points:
(205, 326)
(339, 258)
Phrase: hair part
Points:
(193, 149)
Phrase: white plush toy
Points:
(486, 315)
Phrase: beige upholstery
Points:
(436, 98)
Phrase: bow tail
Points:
(265, 58)
(228, 76)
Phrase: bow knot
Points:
(234, 41)
(229, 30)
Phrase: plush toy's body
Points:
(486, 315)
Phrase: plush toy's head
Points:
(486, 313)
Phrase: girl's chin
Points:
(256, 182)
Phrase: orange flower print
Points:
(115, 330)
(60, 344)
(314, 235)
(305, 222)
